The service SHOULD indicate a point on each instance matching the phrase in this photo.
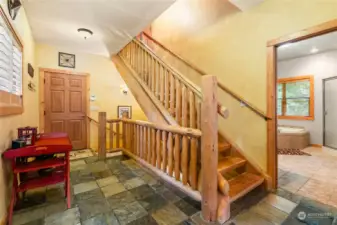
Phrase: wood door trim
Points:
(42, 72)
(320, 29)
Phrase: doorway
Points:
(65, 105)
(330, 112)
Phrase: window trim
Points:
(311, 99)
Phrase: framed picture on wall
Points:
(124, 111)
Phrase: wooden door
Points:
(66, 106)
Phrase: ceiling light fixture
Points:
(314, 50)
(85, 33)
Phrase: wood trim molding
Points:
(271, 87)
(3, 220)
(305, 33)
(317, 145)
(63, 71)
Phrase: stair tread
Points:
(242, 184)
(226, 164)
(223, 146)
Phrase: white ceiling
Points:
(114, 22)
(322, 43)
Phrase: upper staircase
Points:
(168, 97)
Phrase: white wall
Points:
(321, 66)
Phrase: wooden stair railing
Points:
(221, 85)
(177, 94)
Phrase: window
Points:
(10, 69)
(295, 98)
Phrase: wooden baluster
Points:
(149, 145)
(209, 148)
(153, 147)
(198, 114)
(148, 69)
(101, 135)
(132, 143)
(184, 158)
(145, 152)
(194, 151)
(117, 135)
(141, 139)
(158, 146)
(162, 85)
(172, 94)
(167, 90)
(177, 157)
(153, 86)
(164, 151)
(170, 154)
(123, 135)
(111, 127)
(158, 80)
(193, 163)
(178, 102)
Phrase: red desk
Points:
(51, 143)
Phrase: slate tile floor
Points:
(118, 191)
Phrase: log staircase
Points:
(179, 103)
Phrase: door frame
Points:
(323, 114)
(42, 100)
(272, 45)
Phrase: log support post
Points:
(101, 135)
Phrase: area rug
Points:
(311, 215)
(291, 152)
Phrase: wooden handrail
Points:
(202, 73)
(173, 129)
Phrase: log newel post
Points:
(209, 148)
(101, 135)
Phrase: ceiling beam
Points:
(244, 5)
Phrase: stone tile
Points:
(292, 181)
(153, 202)
(55, 194)
(91, 207)
(142, 192)
(192, 202)
(83, 187)
(170, 196)
(269, 212)
(77, 165)
(120, 200)
(249, 217)
(150, 180)
(129, 213)
(102, 219)
(133, 183)
(91, 159)
(69, 217)
(102, 174)
(281, 172)
(80, 154)
(188, 222)
(146, 220)
(158, 187)
(113, 189)
(107, 181)
(81, 176)
(289, 195)
(36, 222)
(55, 208)
(97, 166)
(96, 193)
(185, 207)
(125, 175)
(169, 214)
(33, 198)
(28, 216)
(281, 203)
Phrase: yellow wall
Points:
(231, 44)
(9, 124)
(105, 83)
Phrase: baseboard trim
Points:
(317, 145)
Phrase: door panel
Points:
(330, 113)
(65, 106)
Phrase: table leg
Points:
(67, 180)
